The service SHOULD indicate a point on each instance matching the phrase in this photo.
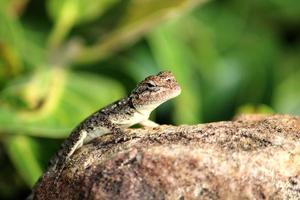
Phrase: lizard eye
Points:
(150, 85)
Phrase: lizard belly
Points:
(122, 122)
(132, 120)
(95, 133)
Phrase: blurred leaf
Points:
(139, 18)
(288, 63)
(140, 56)
(17, 47)
(4, 4)
(85, 10)
(219, 76)
(59, 104)
(67, 13)
(13, 7)
(287, 95)
(172, 54)
(10, 181)
(283, 10)
(237, 60)
(10, 64)
(9, 54)
(289, 8)
(30, 155)
(255, 109)
(22, 150)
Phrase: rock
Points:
(253, 157)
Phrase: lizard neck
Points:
(146, 109)
(143, 107)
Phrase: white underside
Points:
(138, 117)
(78, 144)
(95, 133)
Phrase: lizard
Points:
(114, 118)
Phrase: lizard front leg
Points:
(81, 136)
(68, 147)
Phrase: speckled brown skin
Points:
(133, 109)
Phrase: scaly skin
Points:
(133, 109)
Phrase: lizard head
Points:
(155, 90)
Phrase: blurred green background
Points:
(60, 60)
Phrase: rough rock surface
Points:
(253, 157)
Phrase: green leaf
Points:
(230, 63)
(139, 18)
(13, 7)
(17, 45)
(137, 57)
(288, 10)
(84, 10)
(172, 54)
(67, 13)
(56, 101)
(287, 95)
(255, 109)
(22, 151)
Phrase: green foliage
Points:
(68, 58)
(170, 51)
(50, 97)
(287, 95)
(68, 13)
(19, 145)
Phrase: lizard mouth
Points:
(170, 93)
(174, 93)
